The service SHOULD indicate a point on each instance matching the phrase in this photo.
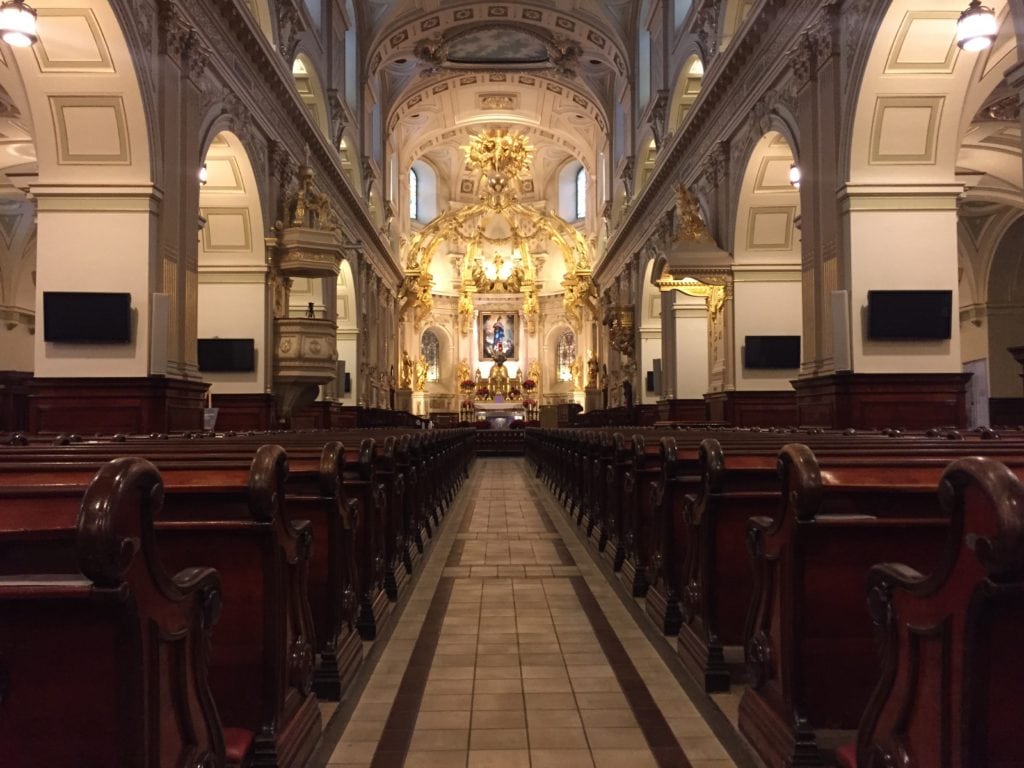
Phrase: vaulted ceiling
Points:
(445, 70)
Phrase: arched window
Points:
(565, 355)
(581, 193)
(414, 194)
(430, 349)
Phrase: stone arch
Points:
(348, 329)
(894, 136)
(550, 384)
(734, 13)
(446, 381)
(232, 297)
(311, 91)
(81, 149)
(686, 91)
(1005, 310)
(261, 14)
(648, 323)
(767, 273)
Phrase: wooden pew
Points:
(808, 641)
(103, 662)
(952, 671)
(262, 659)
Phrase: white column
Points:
(684, 341)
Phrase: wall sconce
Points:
(18, 23)
(794, 176)
(204, 175)
(977, 27)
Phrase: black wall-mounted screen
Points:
(227, 355)
(87, 318)
(910, 315)
(771, 352)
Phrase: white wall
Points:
(84, 249)
(234, 311)
(765, 309)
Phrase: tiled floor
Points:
(514, 650)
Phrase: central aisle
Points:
(515, 651)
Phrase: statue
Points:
(690, 227)
(407, 371)
(576, 373)
(497, 382)
(593, 372)
(533, 373)
(421, 374)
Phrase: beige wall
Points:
(765, 309)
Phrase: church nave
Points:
(514, 649)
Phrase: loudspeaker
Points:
(657, 375)
(348, 383)
(650, 381)
(159, 319)
(842, 352)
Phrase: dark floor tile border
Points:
(393, 746)
(564, 555)
(663, 743)
(455, 554)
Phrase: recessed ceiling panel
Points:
(497, 45)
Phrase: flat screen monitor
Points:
(771, 352)
(87, 318)
(910, 315)
(227, 355)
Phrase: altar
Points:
(499, 414)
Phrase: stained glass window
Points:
(565, 355)
(430, 349)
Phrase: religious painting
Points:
(498, 336)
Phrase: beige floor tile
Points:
(499, 758)
(553, 718)
(499, 718)
(497, 673)
(615, 738)
(446, 702)
(451, 720)
(451, 759)
(560, 758)
(704, 747)
(595, 685)
(623, 758)
(550, 701)
(601, 701)
(546, 685)
(608, 718)
(430, 739)
(498, 686)
(498, 738)
(554, 737)
(357, 751)
(484, 701)
(440, 685)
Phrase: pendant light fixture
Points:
(977, 27)
(18, 23)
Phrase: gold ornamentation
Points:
(690, 226)
(466, 311)
(620, 324)
(311, 208)
(407, 371)
(503, 158)
(593, 372)
(421, 374)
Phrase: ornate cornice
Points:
(739, 77)
(268, 86)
